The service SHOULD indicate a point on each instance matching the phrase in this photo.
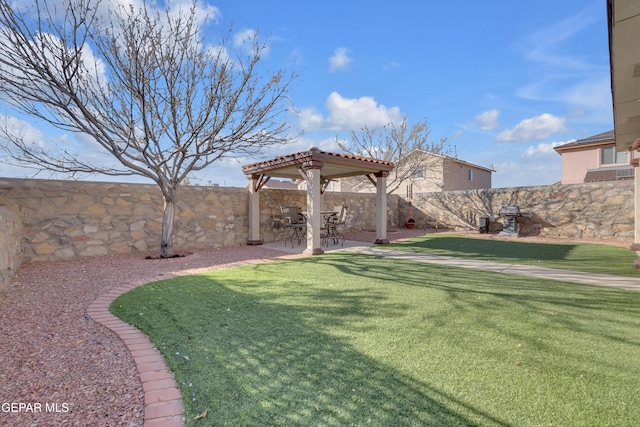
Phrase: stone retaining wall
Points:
(66, 219)
(601, 210)
(10, 245)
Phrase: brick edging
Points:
(162, 398)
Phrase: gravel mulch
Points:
(59, 367)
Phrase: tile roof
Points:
(315, 155)
(608, 136)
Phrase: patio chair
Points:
(326, 228)
(334, 226)
(293, 218)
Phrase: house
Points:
(595, 158)
(623, 17)
(427, 172)
(444, 173)
(279, 184)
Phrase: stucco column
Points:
(313, 212)
(254, 212)
(635, 162)
(381, 208)
(636, 217)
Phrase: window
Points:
(417, 173)
(410, 191)
(610, 156)
(470, 174)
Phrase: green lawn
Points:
(591, 258)
(349, 339)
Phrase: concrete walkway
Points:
(621, 282)
(607, 280)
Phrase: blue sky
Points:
(506, 81)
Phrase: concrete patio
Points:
(299, 248)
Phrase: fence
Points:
(52, 220)
(601, 210)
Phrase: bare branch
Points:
(400, 144)
(141, 83)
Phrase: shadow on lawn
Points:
(486, 248)
(531, 294)
(265, 349)
(253, 360)
(481, 294)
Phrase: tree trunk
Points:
(166, 246)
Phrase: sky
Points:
(505, 81)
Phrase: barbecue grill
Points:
(510, 225)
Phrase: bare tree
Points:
(401, 144)
(142, 84)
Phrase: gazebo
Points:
(318, 168)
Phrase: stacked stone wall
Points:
(67, 219)
(602, 210)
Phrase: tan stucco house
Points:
(436, 173)
(443, 173)
(595, 158)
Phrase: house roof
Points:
(624, 54)
(456, 160)
(603, 138)
(462, 162)
(282, 185)
(332, 165)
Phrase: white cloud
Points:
(310, 119)
(563, 71)
(347, 114)
(244, 37)
(455, 135)
(204, 12)
(592, 92)
(329, 144)
(340, 59)
(534, 129)
(537, 165)
(522, 174)
(591, 100)
(354, 113)
(540, 47)
(487, 120)
(543, 149)
(30, 135)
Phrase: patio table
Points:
(326, 215)
(328, 227)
